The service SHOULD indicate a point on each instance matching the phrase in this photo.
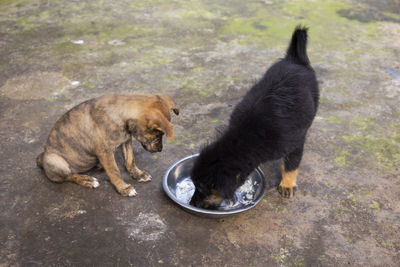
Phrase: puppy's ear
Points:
(156, 120)
(169, 102)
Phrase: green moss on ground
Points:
(369, 144)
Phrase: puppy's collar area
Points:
(131, 127)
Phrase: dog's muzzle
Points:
(210, 202)
(153, 147)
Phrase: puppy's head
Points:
(150, 137)
(214, 182)
(153, 123)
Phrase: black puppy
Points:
(269, 123)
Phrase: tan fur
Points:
(213, 200)
(288, 182)
(91, 132)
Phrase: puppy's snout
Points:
(210, 202)
(153, 147)
(158, 146)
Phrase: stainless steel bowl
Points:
(180, 171)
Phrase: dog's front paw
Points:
(144, 177)
(128, 191)
(141, 176)
(286, 191)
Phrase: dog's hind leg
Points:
(134, 171)
(55, 167)
(58, 170)
(290, 170)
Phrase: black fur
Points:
(270, 122)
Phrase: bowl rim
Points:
(205, 211)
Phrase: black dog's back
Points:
(270, 122)
(278, 110)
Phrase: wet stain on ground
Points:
(205, 54)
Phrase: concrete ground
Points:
(206, 54)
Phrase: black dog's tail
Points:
(297, 50)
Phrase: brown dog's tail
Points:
(39, 160)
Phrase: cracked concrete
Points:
(206, 54)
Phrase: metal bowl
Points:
(246, 197)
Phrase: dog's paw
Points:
(287, 191)
(141, 176)
(87, 181)
(128, 191)
(132, 193)
(95, 183)
(144, 177)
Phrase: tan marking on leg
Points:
(288, 182)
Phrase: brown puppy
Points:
(91, 132)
